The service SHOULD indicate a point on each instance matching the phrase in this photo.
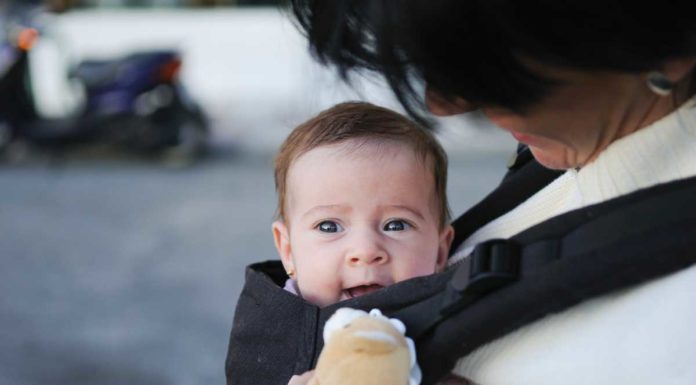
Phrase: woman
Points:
(601, 90)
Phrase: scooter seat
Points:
(96, 73)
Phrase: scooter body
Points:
(136, 101)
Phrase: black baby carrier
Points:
(502, 285)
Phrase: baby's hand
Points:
(302, 379)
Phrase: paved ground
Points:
(116, 271)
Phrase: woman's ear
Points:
(282, 244)
(446, 237)
(677, 69)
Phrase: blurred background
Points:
(136, 182)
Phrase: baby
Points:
(361, 203)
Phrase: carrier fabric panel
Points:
(277, 334)
(274, 331)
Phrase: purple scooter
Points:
(136, 102)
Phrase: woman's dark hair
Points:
(473, 48)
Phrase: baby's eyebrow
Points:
(409, 209)
(320, 208)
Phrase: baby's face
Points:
(359, 219)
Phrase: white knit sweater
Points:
(641, 335)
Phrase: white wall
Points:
(249, 68)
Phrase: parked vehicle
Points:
(136, 102)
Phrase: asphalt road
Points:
(120, 271)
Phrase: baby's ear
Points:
(282, 244)
(446, 237)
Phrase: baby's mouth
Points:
(357, 291)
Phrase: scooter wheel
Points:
(190, 142)
(5, 134)
(5, 137)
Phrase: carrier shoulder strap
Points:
(524, 178)
(552, 266)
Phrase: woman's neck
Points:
(643, 112)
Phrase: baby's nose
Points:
(367, 252)
(359, 259)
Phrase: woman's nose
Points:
(441, 106)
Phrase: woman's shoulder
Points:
(640, 336)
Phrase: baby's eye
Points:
(329, 227)
(396, 225)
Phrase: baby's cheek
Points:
(321, 291)
(417, 266)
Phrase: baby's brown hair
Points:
(359, 120)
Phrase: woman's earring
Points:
(659, 83)
(290, 273)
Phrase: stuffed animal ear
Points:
(395, 322)
(398, 325)
(342, 317)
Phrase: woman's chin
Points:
(554, 160)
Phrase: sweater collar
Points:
(661, 152)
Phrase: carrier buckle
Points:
(492, 264)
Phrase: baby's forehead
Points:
(327, 171)
(363, 150)
(354, 159)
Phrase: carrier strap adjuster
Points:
(492, 264)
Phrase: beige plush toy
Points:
(366, 349)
